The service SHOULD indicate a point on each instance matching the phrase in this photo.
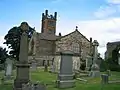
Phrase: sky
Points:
(99, 19)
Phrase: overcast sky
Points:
(99, 19)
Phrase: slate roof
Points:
(45, 36)
(53, 37)
(113, 43)
(72, 33)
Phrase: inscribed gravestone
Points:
(65, 77)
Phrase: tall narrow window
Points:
(75, 47)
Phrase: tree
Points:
(3, 55)
(12, 39)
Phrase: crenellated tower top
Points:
(49, 23)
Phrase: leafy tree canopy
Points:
(3, 55)
(12, 39)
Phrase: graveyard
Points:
(40, 75)
(63, 73)
(49, 60)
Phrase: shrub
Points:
(112, 65)
(103, 66)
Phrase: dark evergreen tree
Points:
(3, 55)
(12, 39)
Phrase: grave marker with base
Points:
(95, 70)
(66, 76)
(22, 65)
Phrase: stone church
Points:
(45, 47)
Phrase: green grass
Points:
(48, 78)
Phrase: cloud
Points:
(101, 30)
(56, 1)
(2, 41)
(113, 1)
(111, 9)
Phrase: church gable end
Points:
(73, 41)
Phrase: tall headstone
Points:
(46, 66)
(65, 76)
(34, 64)
(95, 70)
(8, 69)
(88, 62)
(22, 75)
(53, 66)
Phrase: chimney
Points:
(91, 39)
(60, 34)
(55, 15)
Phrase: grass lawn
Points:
(48, 78)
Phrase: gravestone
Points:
(46, 66)
(22, 73)
(66, 76)
(88, 62)
(34, 66)
(108, 72)
(52, 67)
(8, 69)
(95, 70)
(33, 86)
(104, 79)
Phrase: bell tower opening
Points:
(49, 23)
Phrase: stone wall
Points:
(40, 59)
(76, 63)
(110, 47)
(45, 47)
(65, 43)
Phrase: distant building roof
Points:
(113, 43)
(47, 36)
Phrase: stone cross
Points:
(65, 76)
(95, 55)
(95, 70)
(22, 75)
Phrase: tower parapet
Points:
(49, 23)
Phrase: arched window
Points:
(75, 48)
